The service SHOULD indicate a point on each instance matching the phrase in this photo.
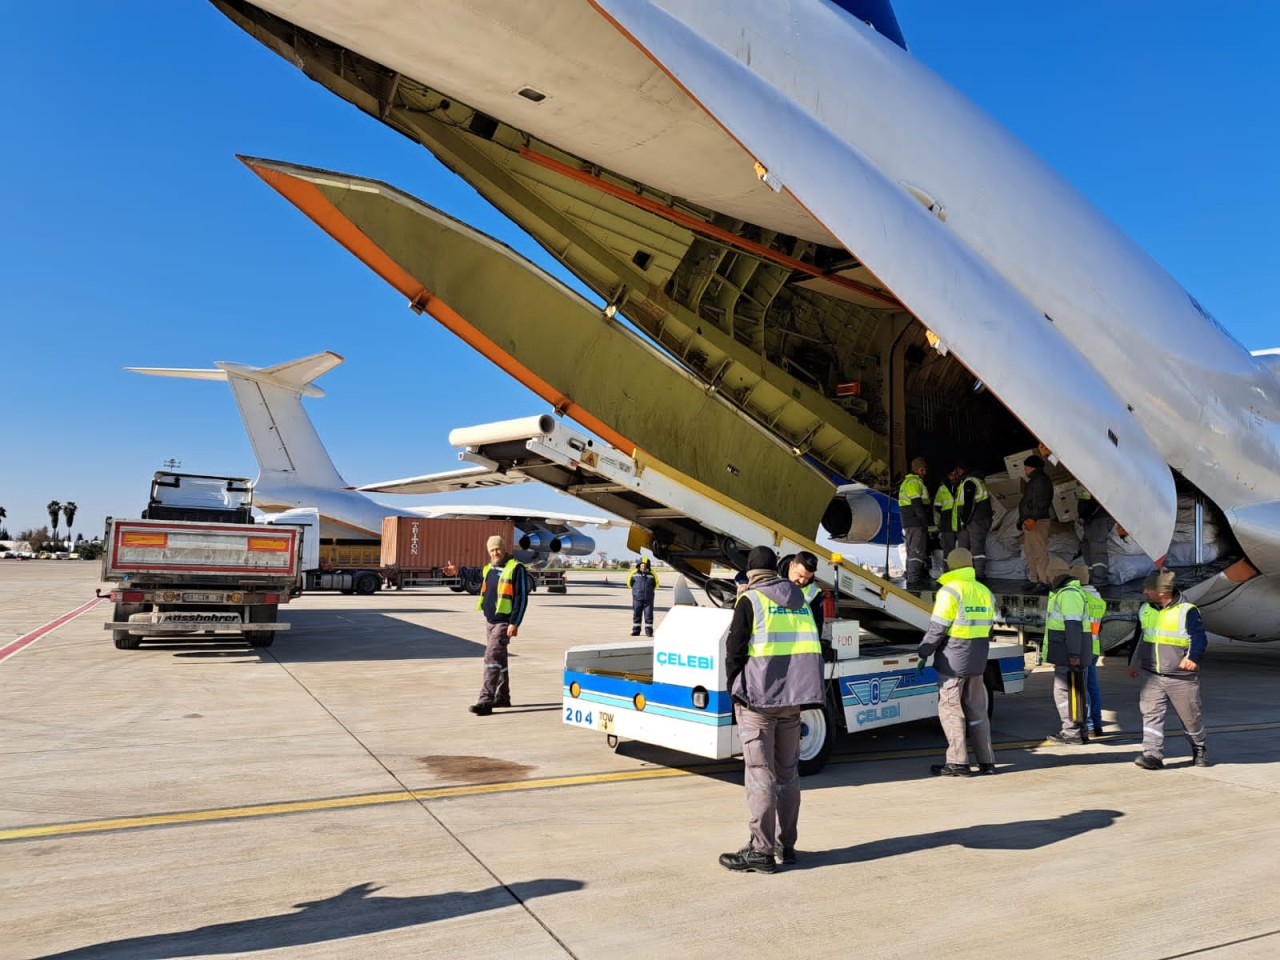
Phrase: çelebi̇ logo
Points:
(670, 658)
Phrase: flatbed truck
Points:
(196, 564)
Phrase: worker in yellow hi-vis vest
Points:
(504, 594)
(1069, 648)
(773, 664)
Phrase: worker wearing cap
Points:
(1097, 524)
(973, 517)
(503, 598)
(1095, 610)
(773, 664)
(913, 506)
(959, 638)
(1168, 644)
(1069, 647)
(643, 583)
(1033, 521)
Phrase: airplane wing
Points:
(540, 518)
(989, 325)
(449, 481)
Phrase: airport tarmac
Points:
(332, 797)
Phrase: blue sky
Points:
(135, 238)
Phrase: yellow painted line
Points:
(488, 789)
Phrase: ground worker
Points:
(1033, 521)
(800, 571)
(1068, 647)
(503, 598)
(1168, 644)
(913, 506)
(1095, 610)
(973, 517)
(959, 632)
(643, 583)
(773, 663)
(944, 511)
(1097, 525)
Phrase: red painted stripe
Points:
(27, 639)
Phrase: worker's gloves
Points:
(921, 665)
(1028, 524)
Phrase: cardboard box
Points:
(1014, 461)
(1066, 500)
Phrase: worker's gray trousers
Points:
(916, 540)
(962, 708)
(771, 753)
(497, 685)
(973, 537)
(1094, 547)
(1157, 693)
(1073, 721)
(947, 539)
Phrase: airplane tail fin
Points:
(285, 441)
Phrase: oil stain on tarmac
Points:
(475, 769)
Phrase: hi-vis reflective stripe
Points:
(785, 648)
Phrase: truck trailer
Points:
(197, 564)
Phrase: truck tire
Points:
(817, 731)
(262, 613)
(367, 583)
(124, 640)
(473, 584)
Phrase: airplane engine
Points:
(538, 541)
(573, 544)
(858, 514)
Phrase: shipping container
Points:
(347, 554)
(437, 543)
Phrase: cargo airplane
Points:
(812, 259)
(295, 470)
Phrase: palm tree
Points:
(69, 513)
(54, 508)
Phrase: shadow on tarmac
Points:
(1017, 835)
(318, 636)
(352, 913)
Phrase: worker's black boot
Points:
(1148, 762)
(951, 770)
(1200, 756)
(748, 860)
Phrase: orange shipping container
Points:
(426, 543)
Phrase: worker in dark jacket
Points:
(959, 640)
(503, 599)
(916, 511)
(644, 586)
(1168, 645)
(1033, 520)
(773, 663)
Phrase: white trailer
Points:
(672, 691)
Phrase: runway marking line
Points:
(27, 639)
(482, 789)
